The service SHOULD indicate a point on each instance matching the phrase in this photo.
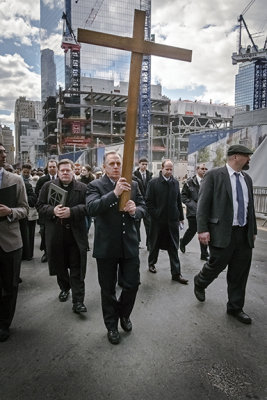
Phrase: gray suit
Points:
(11, 250)
(229, 245)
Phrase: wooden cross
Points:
(138, 46)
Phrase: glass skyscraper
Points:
(110, 16)
(244, 86)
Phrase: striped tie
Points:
(240, 200)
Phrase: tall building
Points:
(7, 139)
(48, 74)
(115, 17)
(27, 128)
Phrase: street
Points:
(179, 348)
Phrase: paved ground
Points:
(179, 348)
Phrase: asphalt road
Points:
(179, 348)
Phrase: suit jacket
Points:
(165, 208)
(53, 227)
(215, 208)
(142, 184)
(115, 231)
(41, 181)
(10, 236)
(189, 196)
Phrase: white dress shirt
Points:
(245, 193)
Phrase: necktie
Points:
(53, 177)
(144, 178)
(240, 200)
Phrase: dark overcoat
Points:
(189, 196)
(164, 206)
(115, 231)
(54, 229)
(215, 208)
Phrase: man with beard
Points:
(226, 221)
(164, 205)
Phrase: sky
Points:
(207, 27)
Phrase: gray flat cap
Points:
(238, 149)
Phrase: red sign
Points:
(79, 141)
(76, 128)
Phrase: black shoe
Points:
(4, 334)
(204, 258)
(241, 316)
(199, 292)
(44, 258)
(79, 307)
(114, 336)
(180, 279)
(126, 324)
(152, 269)
(182, 246)
(63, 295)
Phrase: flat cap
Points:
(238, 149)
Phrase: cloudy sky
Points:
(208, 27)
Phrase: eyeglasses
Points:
(3, 152)
(204, 169)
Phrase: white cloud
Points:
(18, 80)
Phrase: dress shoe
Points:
(4, 334)
(126, 324)
(114, 336)
(180, 279)
(79, 307)
(182, 246)
(63, 295)
(44, 258)
(152, 269)
(241, 316)
(204, 258)
(199, 292)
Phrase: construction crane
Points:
(94, 11)
(69, 42)
(251, 52)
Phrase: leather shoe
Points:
(241, 316)
(199, 292)
(182, 246)
(180, 279)
(114, 336)
(79, 307)
(152, 269)
(126, 324)
(4, 334)
(44, 258)
(63, 295)
(204, 258)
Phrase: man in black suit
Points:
(66, 235)
(164, 205)
(144, 176)
(226, 221)
(189, 196)
(115, 243)
(51, 169)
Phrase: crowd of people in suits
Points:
(80, 195)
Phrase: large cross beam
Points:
(138, 46)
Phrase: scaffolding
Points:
(145, 83)
(260, 85)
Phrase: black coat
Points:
(189, 196)
(164, 205)
(215, 208)
(143, 185)
(115, 231)
(53, 227)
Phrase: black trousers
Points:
(112, 307)
(190, 233)
(69, 274)
(146, 221)
(9, 280)
(173, 256)
(237, 255)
